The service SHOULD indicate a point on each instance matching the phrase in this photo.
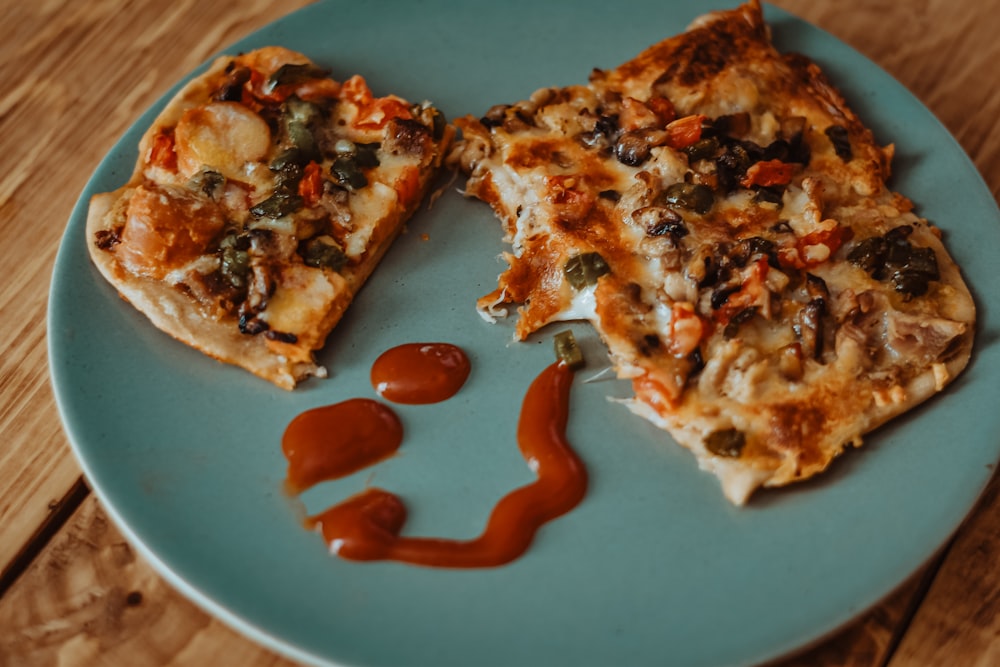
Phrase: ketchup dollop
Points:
(420, 373)
(336, 440)
(367, 526)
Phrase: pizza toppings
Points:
(264, 195)
(726, 227)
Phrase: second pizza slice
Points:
(265, 194)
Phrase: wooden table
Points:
(76, 75)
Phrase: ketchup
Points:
(419, 373)
(367, 526)
(336, 440)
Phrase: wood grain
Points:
(102, 605)
(78, 74)
(68, 105)
(960, 616)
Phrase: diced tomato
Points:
(373, 112)
(162, 153)
(356, 90)
(311, 185)
(685, 131)
(686, 329)
(768, 173)
(814, 248)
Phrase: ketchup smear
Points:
(335, 440)
(419, 373)
(367, 526)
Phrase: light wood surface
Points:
(76, 75)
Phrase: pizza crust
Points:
(739, 211)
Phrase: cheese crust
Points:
(721, 216)
(264, 195)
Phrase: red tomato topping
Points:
(686, 329)
(373, 113)
(814, 248)
(161, 153)
(768, 173)
(685, 131)
(311, 185)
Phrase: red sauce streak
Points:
(367, 526)
(336, 440)
(419, 373)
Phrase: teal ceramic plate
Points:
(654, 567)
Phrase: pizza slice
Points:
(264, 195)
(720, 215)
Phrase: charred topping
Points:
(293, 74)
(105, 239)
(841, 141)
(232, 89)
(892, 257)
(281, 336)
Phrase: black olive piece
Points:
(869, 254)
(779, 149)
(277, 205)
(781, 227)
(209, 182)
(252, 325)
(720, 295)
(703, 149)
(606, 125)
(291, 73)
(610, 195)
(693, 196)
(816, 287)
(232, 89)
(841, 140)
(366, 155)
(768, 194)
(281, 336)
(662, 221)
(734, 125)
(319, 253)
(798, 150)
(291, 157)
(346, 172)
(583, 270)
(438, 124)
(899, 235)
(727, 442)
(633, 148)
(747, 248)
(494, 116)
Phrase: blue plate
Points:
(654, 567)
